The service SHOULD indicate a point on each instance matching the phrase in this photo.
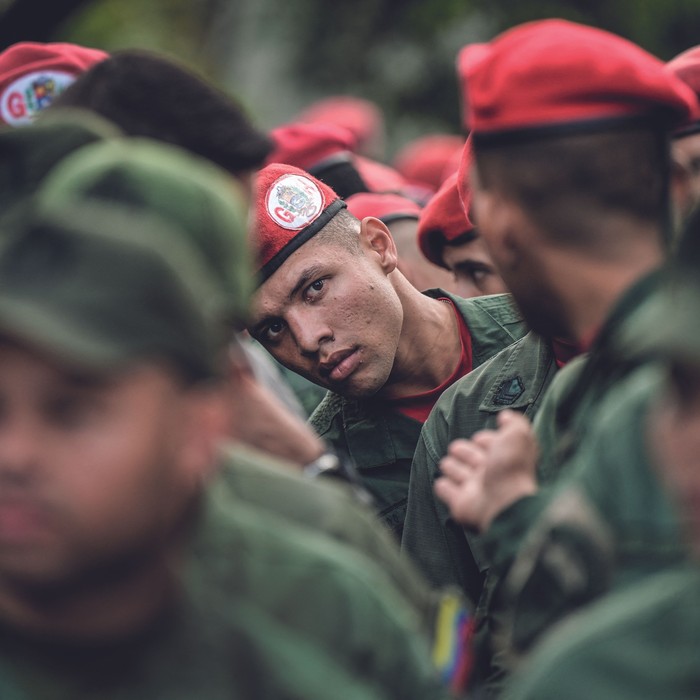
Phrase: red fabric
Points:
(377, 176)
(425, 159)
(687, 67)
(565, 351)
(383, 206)
(442, 220)
(305, 145)
(288, 201)
(359, 116)
(419, 406)
(39, 64)
(553, 72)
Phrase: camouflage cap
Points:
(99, 287)
(29, 153)
(181, 188)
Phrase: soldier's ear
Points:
(376, 239)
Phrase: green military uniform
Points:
(515, 378)
(231, 652)
(637, 644)
(607, 501)
(327, 508)
(382, 441)
(318, 588)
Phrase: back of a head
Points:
(571, 185)
(577, 130)
(149, 95)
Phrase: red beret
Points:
(361, 117)
(425, 159)
(291, 207)
(307, 145)
(377, 176)
(554, 74)
(385, 206)
(32, 75)
(443, 220)
(686, 66)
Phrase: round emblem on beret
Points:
(294, 201)
(24, 98)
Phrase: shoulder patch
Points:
(508, 391)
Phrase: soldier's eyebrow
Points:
(306, 275)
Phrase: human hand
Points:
(484, 475)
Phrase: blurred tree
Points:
(279, 56)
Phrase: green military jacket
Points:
(232, 652)
(382, 441)
(327, 508)
(639, 644)
(318, 588)
(515, 378)
(266, 610)
(589, 529)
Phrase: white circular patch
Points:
(23, 99)
(294, 201)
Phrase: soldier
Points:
(448, 238)
(333, 307)
(516, 378)
(111, 426)
(611, 648)
(565, 251)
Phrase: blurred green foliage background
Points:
(277, 56)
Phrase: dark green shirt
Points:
(382, 441)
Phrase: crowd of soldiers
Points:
(281, 421)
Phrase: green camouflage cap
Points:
(187, 190)
(100, 287)
(28, 153)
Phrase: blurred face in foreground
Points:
(676, 441)
(96, 471)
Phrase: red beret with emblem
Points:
(554, 75)
(443, 220)
(686, 66)
(385, 206)
(307, 145)
(291, 207)
(426, 159)
(33, 74)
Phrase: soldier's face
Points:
(675, 439)
(95, 472)
(332, 314)
(474, 271)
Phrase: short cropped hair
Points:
(148, 95)
(569, 184)
(342, 230)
